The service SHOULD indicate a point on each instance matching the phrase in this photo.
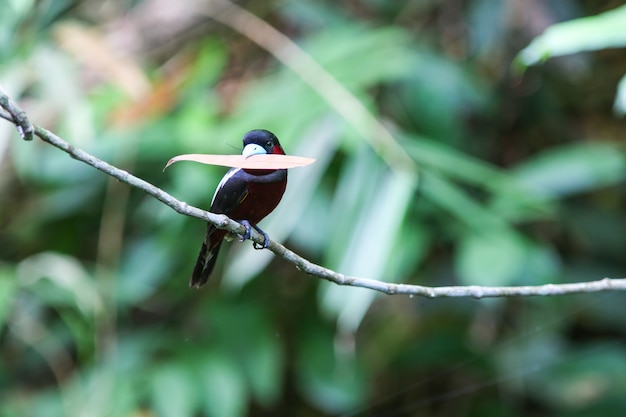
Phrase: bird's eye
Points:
(269, 143)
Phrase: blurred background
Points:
(457, 143)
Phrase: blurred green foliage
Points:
(521, 181)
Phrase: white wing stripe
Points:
(225, 179)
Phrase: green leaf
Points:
(438, 94)
(330, 377)
(7, 290)
(454, 200)
(355, 55)
(173, 391)
(263, 366)
(248, 350)
(511, 199)
(143, 267)
(382, 54)
(490, 258)
(375, 224)
(583, 376)
(605, 30)
(223, 387)
(249, 337)
(619, 107)
(542, 265)
(573, 169)
(71, 284)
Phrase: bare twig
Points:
(301, 263)
(16, 115)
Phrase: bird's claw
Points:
(248, 234)
(266, 241)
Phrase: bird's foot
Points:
(266, 240)
(248, 234)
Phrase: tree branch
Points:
(15, 115)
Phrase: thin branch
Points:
(223, 222)
(16, 115)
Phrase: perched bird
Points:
(244, 195)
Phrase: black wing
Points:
(231, 191)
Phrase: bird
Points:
(244, 195)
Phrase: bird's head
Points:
(261, 141)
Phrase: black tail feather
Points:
(205, 264)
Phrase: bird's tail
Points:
(206, 261)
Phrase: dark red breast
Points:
(248, 195)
